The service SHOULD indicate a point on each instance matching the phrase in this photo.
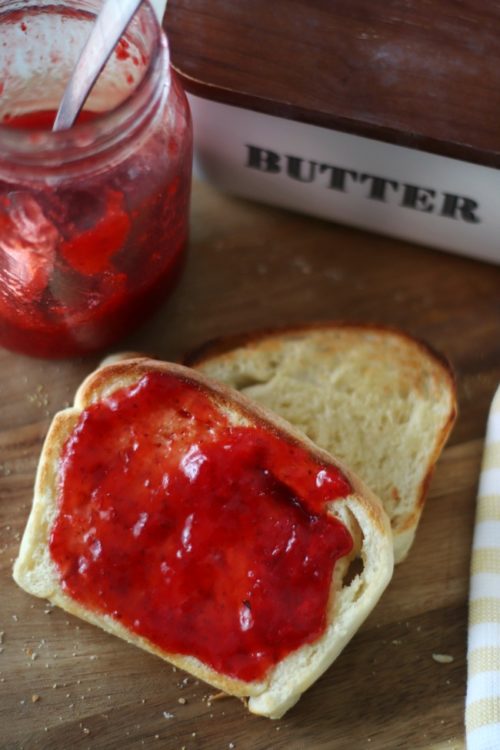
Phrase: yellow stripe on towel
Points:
(491, 456)
(485, 560)
(489, 508)
(484, 659)
(480, 713)
(486, 609)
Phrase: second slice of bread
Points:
(353, 594)
(374, 397)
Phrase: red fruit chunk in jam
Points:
(204, 538)
(90, 252)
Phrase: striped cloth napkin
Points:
(482, 711)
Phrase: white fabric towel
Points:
(482, 710)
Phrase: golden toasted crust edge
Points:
(407, 526)
(223, 344)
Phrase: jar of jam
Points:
(93, 220)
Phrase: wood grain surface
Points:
(413, 72)
(65, 684)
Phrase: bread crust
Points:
(222, 344)
(36, 573)
(403, 527)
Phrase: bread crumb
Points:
(35, 698)
(86, 730)
(168, 715)
(182, 701)
(442, 658)
(157, 736)
(40, 398)
(396, 642)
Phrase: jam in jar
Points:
(93, 220)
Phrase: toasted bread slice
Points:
(374, 397)
(350, 594)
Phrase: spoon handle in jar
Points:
(110, 24)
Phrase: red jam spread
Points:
(205, 538)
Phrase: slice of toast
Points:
(374, 397)
(97, 544)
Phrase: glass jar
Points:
(93, 220)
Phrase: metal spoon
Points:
(110, 24)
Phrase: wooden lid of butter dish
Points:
(417, 73)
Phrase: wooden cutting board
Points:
(65, 684)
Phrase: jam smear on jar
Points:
(205, 538)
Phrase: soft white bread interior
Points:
(355, 587)
(374, 397)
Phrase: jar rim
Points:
(46, 148)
